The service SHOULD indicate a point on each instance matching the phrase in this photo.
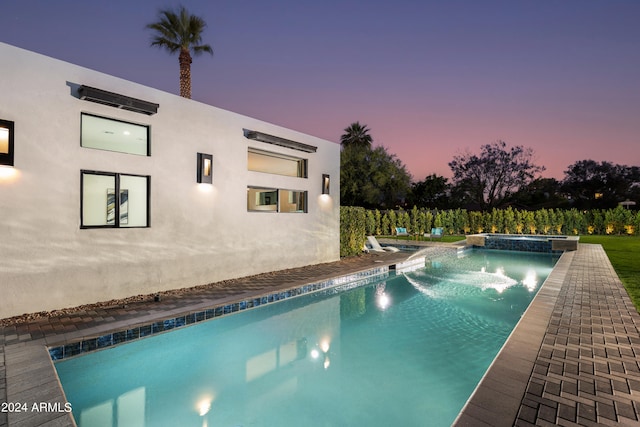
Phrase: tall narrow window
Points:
(134, 201)
(114, 135)
(98, 199)
(6, 143)
(114, 200)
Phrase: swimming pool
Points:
(408, 350)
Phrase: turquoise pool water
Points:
(407, 350)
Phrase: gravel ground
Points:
(29, 317)
(364, 259)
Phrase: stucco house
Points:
(110, 189)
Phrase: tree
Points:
(489, 178)
(539, 193)
(432, 192)
(390, 176)
(179, 31)
(593, 185)
(370, 177)
(356, 135)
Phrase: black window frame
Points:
(116, 176)
(148, 127)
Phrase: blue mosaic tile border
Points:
(523, 245)
(334, 285)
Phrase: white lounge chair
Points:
(373, 246)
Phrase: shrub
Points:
(352, 230)
(356, 223)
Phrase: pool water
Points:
(408, 350)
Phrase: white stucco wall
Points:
(198, 233)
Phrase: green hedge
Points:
(353, 230)
(356, 223)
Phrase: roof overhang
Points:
(282, 142)
(112, 99)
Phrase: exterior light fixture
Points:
(325, 183)
(205, 168)
(6, 143)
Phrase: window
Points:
(114, 200)
(293, 201)
(279, 164)
(6, 143)
(276, 200)
(262, 199)
(114, 135)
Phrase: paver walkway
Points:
(574, 358)
(588, 368)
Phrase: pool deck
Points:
(573, 360)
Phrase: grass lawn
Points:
(624, 254)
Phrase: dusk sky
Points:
(430, 78)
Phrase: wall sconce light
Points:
(205, 168)
(325, 183)
(6, 143)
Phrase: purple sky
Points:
(430, 78)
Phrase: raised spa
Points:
(524, 242)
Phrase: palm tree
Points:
(180, 31)
(356, 135)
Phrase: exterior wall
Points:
(476, 240)
(198, 234)
(568, 244)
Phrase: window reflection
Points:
(114, 135)
(275, 163)
(293, 201)
(114, 200)
(262, 199)
(275, 200)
